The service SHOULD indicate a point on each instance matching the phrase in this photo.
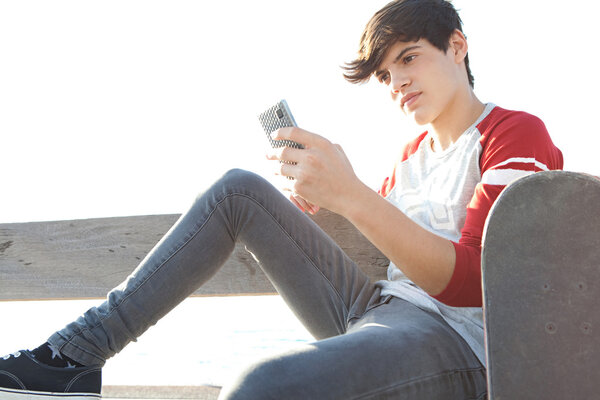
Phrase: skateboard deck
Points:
(541, 277)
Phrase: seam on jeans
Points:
(179, 247)
(306, 255)
(70, 343)
(197, 230)
(421, 379)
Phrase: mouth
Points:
(409, 99)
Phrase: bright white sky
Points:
(132, 107)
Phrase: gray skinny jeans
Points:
(369, 347)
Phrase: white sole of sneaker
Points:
(15, 394)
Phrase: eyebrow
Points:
(398, 57)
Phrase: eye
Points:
(409, 58)
(384, 78)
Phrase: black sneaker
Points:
(22, 377)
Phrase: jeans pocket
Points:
(373, 304)
(382, 300)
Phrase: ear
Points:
(458, 46)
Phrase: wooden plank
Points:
(87, 258)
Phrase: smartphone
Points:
(278, 116)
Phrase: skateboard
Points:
(541, 288)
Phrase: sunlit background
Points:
(112, 108)
(132, 107)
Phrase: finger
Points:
(275, 168)
(288, 170)
(301, 202)
(285, 154)
(285, 170)
(296, 202)
(312, 208)
(306, 205)
(298, 135)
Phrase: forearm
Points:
(427, 259)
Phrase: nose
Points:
(398, 82)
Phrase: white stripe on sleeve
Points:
(523, 160)
(503, 176)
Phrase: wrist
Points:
(359, 201)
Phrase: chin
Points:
(421, 118)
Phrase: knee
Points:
(236, 176)
(236, 182)
(269, 379)
(242, 180)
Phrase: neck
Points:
(458, 116)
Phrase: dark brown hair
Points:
(406, 21)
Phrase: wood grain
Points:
(87, 258)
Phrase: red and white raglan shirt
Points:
(451, 192)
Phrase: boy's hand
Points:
(322, 174)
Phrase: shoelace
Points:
(16, 354)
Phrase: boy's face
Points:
(422, 79)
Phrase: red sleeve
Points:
(514, 144)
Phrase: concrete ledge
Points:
(160, 392)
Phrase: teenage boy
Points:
(417, 335)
